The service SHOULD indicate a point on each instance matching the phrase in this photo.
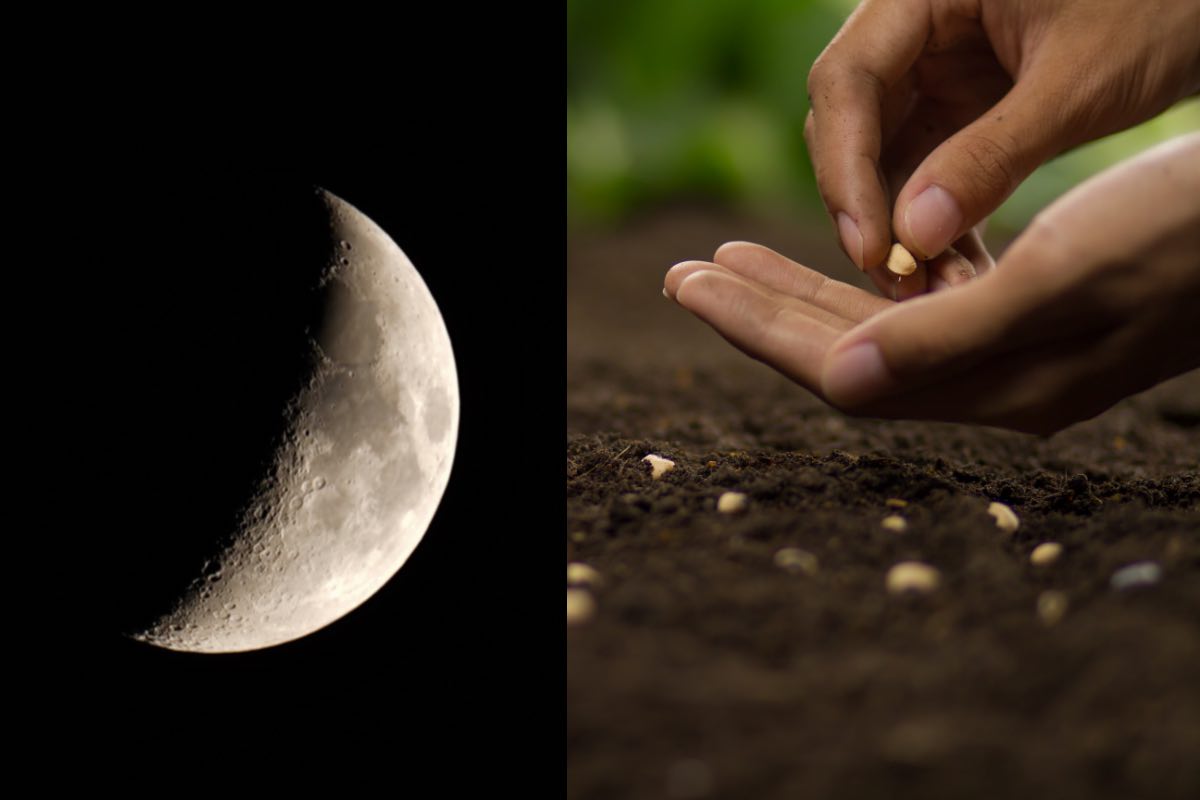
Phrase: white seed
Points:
(580, 574)
(732, 502)
(793, 559)
(580, 606)
(659, 466)
(1045, 553)
(1143, 573)
(1051, 606)
(895, 522)
(900, 261)
(912, 576)
(1006, 518)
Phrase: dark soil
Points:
(708, 671)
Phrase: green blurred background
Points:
(705, 99)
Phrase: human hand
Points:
(1095, 301)
(927, 114)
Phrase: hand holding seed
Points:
(1093, 302)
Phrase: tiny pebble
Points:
(793, 559)
(1051, 606)
(1045, 553)
(912, 576)
(895, 522)
(659, 466)
(1006, 519)
(581, 574)
(580, 606)
(732, 502)
(1143, 573)
(896, 502)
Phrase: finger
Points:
(681, 271)
(950, 269)
(1035, 389)
(923, 340)
(788, 277)
(970, 174)
(779, 335)
(847, 87)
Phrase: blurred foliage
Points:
(706, 99)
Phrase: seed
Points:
(711, 464)
(580, 606)
(659, 466)
(1006, 519)
(900, 261)
(912, 576)
(896, 502)
(794, 560)
(1143, 573)
(1051, 606)
(732, 502)
(894, 522)
(1045, 553)
(579, 573)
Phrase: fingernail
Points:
(936, 284)
(932, 219)
(857, 374)
(665, 293)
(852, 239)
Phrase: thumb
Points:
(920, 341)
(970, 174)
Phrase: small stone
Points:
(659, 466)
(1006, 518)
(580, 574)
(795, 560)
(1143, 573)
(896, 502)
(732, 502)
(1045, 553)
(1051, 606)
(895, 523)
(580, 606)
(912, 576)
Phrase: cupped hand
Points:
(1095, 301)
(927, 114)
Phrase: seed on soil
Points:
(896, 502)
(711, 464)
(1051, 606)
(912, 576)
(580, 574)
(895, 522)
(1143, 573)
(732, 502)
(1045, 553)
(795, 560)
(580, 606)
(659, 466)
(900, 261)
(1006, 518)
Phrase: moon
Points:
(358, 468)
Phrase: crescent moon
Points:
(358, 473)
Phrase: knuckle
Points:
(989, 164)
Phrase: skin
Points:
(1055, 334)
(969, 97)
